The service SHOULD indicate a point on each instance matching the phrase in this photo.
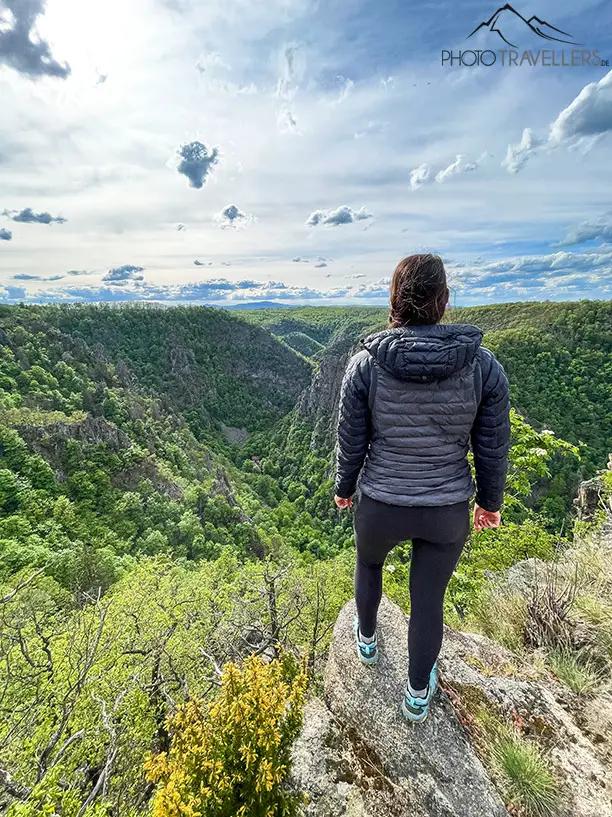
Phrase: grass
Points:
(524, 774)
(580, 674)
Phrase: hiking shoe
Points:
(368, 653)
(417, 709)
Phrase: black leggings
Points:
(438, 535)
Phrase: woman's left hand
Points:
(343, 502)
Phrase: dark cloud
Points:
(180, 227)
(24, 276)
(28, 216)
(5, 235)
(321, 264)
(76, 272)
(199, 263)
(20, 46)
(195, 162)
(124, 274)
(231, 216)
(341, 215)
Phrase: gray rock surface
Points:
(476, 668)
(357, 756)
(427, 769)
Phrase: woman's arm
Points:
(353, 424)
(491, 434)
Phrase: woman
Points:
(412, 400)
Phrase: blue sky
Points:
(294, 150)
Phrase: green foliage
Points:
(232, 759)
(140, 551)
(576, 670)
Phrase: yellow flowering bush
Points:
(232, 759)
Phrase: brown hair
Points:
(418, 291)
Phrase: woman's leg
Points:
(372, 544)
(431, 568)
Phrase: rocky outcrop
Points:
(318, 404)
(476, 669)
(357, 756)
(392, 767)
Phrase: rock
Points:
(432, 765)
(339, 776)
(475, 668)
(597, 723)
(234, 435)
(356, 756)
(318, 404)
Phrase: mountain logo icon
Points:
(507, 22)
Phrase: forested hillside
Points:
(165, 507)
(558, 357)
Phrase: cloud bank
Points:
(597, 230)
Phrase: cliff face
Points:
(318, 404)
(357, 756)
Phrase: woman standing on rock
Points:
(412, 400)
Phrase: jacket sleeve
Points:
(353, 424)
(491, 434)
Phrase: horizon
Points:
(162, 151)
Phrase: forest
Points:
(169, 551)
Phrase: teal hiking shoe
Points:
(417, 709)
(367, 653)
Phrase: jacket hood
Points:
(424, 353)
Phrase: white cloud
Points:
(458, 166)
(597, 230)
(420, 175)
(424, 173)
(558, 273)
(341, 215)
(582, 123)
(518, 154)
(587, 117)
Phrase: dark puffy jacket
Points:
(411, 401)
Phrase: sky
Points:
(294, 150)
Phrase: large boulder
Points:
(357, 757)
(394, 767)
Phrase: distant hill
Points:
(257, 305)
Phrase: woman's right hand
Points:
(343, 502)
(486, 519)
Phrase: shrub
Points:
(580, 674)
(524, 774)
(232, 760)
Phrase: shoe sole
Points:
(410, 716)
(369, 662)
